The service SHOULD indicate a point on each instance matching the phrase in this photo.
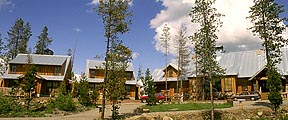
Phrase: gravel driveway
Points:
(125, 108)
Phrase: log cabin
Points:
(244, 71)
(170, 72)
(96, 73)
(51, 71)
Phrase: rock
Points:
(145, 110)
(167, 118)
(260, 113)
(22, 103)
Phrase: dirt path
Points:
(125, 109)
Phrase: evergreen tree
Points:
(18, 37)
(29, 79)
(119, 57)
(165, 38)
(84, 98)
(3, 64)
(268, 26)
(69, 52)
(150, 88)
(115, 16)
(43, 42)
(205, 42)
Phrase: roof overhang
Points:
(259, 71)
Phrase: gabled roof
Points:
(37, 59)
(283, 66)
(40, 59)
(243, 64)
(172, 65)
(158, 76)
(96, 64)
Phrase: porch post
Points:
(38, 88)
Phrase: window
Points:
(92, 73)
(227, 84)
(51, 86)
(244, 85)
(56, 71)
(129, 76)
(170, 73)
(13, 69)
(12, 83)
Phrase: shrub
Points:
(5, 104)
(65, 102)
(83, 91)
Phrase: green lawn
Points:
(183, 107)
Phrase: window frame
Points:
(228, 84)
(13, 69)
(56, 70)
(92, 73)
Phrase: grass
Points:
(184, 107)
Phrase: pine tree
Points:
(43, 42)
(84, 98)
(205, 42)
(268, 26)
(150, 88)
(3, 63)
(115, 16)
(18, 37)
(29, 79)
(69, 52)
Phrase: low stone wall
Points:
(228, 114)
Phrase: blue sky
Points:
(74, 24)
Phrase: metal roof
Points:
(283, 66)
(157, 75)
(92, 64)
(243, 64)
(40, 59)
(101, 80)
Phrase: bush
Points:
(83, 91)
(5, 104)
(276, 99)
(65, 103)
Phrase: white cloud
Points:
(135, 55)
(77, 29)
(4, 3)
(234, 33)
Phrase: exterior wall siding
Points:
(41, 69)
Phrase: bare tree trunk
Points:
(212, 100)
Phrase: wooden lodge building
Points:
(96, 73)
(51, 71)
(244, 71)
